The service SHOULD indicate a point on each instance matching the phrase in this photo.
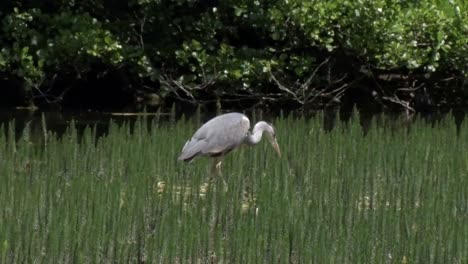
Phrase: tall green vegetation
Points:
(393, 195)
(307, 52)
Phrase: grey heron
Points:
(222, 134)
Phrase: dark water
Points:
(57, 122)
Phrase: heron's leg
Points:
(219, 167)
(213, 170)
(219, 164)
(216, 169)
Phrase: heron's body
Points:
(220, 135)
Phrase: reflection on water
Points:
(57, 122)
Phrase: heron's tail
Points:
(191, 149)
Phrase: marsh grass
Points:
(391, 196)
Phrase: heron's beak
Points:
(275, 145)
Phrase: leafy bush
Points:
(302, 51)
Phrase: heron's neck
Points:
(254, 138)
(257, 134)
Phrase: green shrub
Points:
(298, 49)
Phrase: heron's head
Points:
(271, 134)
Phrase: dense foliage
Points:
(403, 53)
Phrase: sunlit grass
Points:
(391, 196)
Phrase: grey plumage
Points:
(222, 134)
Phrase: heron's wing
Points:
(220, 134)
(227, 135)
